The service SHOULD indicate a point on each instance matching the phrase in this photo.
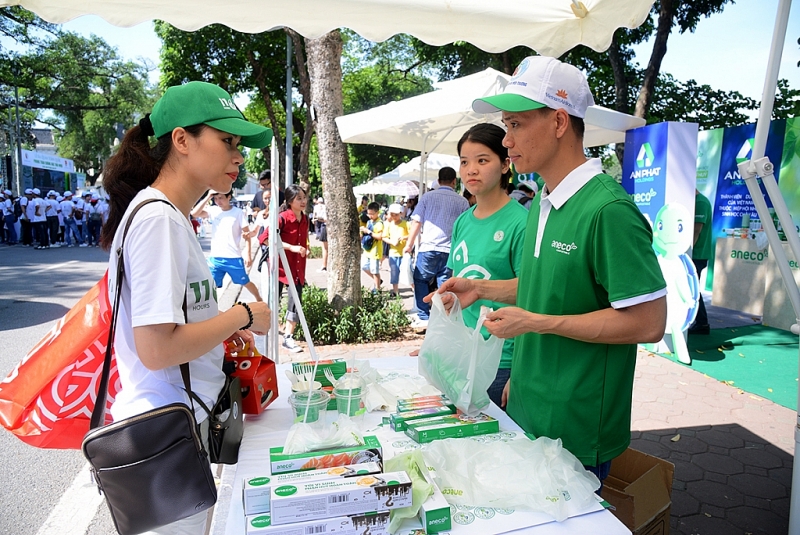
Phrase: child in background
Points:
(371, 257)
(396, 235)
(293, 229)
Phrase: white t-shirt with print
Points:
(8, 207)
(52, 207)
(40, 206)
(67, 208)
(226, 231)
(164, 265)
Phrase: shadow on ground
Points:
(728, 480)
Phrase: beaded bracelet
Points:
(249, 315)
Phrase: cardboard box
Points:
(451, 426)
(369, 452)
(401, 409)
(639, 487)
(259, 382)
(398, 421)
(330, 498)
(422, 399)
(256, 487)
(435, 512)
(368, 523)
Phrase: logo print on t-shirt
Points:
(473, 271)
(563, 248)
(498, 236)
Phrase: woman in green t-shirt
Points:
(487, 239)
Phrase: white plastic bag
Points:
(535, 475)
(304, 437)
(407, 270)
(456, 359)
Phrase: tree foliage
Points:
(79, 86)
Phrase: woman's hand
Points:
(504, 396)
(299, 249)
(239, 340)
(261, 317)
(465, 290)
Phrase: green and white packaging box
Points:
(399, 421)
(256, 488)
(369, 452)
(422, 399)
(337, 366)
(401, 409)
(452, 426)
(328, 498)
(373, 523)
(435, 512)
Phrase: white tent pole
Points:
(272, 265)
(759, 165)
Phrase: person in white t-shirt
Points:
(228, 228)
(70, 226)
(38, 216)
(52, 208)
(26, 227)
(197, 133)
(10, 220)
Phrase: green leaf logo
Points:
(745, 153)
(645, 157)
(286, 490)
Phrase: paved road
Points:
(36, 288)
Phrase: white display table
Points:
(270, 429)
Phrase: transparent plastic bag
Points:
(304, 437)
(535, 475)
(407, 270)
(456, 359)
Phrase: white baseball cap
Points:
(36, 191)
(52, 193)
(7, 192)
(538, 82)
(530, 184)
(28, 191)
(68, 193)
(395, 208)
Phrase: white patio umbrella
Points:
(404, 188)
(551, 27)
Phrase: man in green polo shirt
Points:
(701, 252)
(590, 286)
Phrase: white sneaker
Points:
(419, 324)
(84, 245)
(291, 345)
(55, 245)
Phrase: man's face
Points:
(372, 214)
(530, 138)
(265, 184)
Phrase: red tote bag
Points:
(47, 400)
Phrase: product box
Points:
(369, 452)
(365, 524)
(398, 421)
(451, 426)
(422, 399)
(259, 381)
(256, 488)
(435, 512)
(424, 405)
(639, 487)
(328, 498)
(338, 367)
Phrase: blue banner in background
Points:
(732, 196)
(644, 167)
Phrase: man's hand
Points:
(465, 289)
(247, 263)
(504, 396)
(509, 322)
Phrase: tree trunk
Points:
(666, 16)
(305, 91)
(620, 87)
(325, 72)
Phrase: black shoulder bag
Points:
(152, 468)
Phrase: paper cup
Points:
(350, 402)
(301, 386)
(317, 402)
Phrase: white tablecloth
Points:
(270, 428)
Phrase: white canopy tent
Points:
(413, 169)
(551, 27)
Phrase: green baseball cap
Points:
(204, 103)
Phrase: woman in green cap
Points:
(168, 312)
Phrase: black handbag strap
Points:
(98, 413)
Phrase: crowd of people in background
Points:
(52, 220)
